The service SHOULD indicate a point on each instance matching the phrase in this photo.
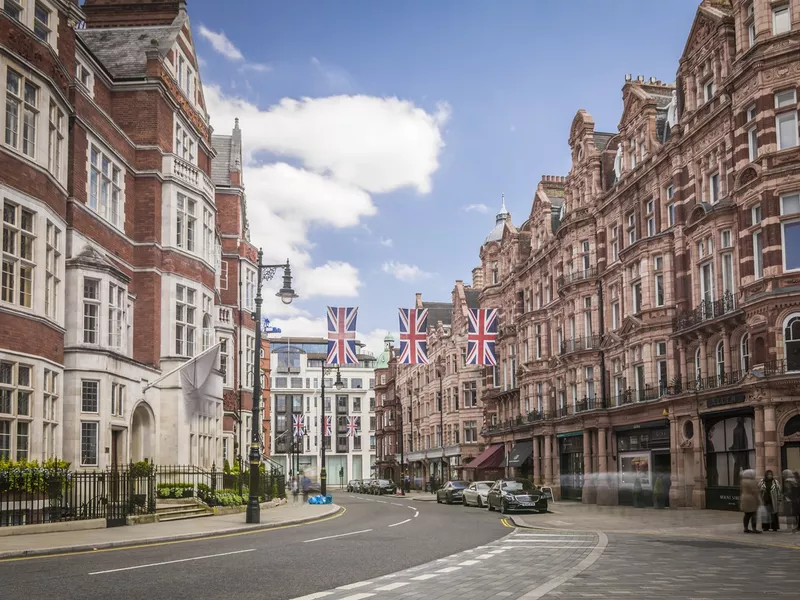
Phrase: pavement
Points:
(684, 522)
(76, 541)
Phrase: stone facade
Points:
(113, 236)
(440, 437)
(650, 302)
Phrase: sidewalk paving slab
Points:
(685, 522)
(38, 544)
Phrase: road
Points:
(374, 537)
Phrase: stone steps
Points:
(183, 510)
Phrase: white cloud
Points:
(220, 42)
(479, 208)
(404, 272)
(388, 242)
(374, 340)
(377, 144)
(257, 67)
(337, 78)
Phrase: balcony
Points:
(707, 311)
(576, 276)
(189, 174)
(591, 342)
(225, 317)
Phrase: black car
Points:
(509, 495)
(379, 487)
(354, 485)
(452, 491)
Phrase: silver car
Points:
(476, 492)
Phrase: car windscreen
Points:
(483, 486)
(518, 486)
(460, 485)
(384, 482)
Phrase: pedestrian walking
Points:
(791, 500)
(749, 500)
(295, 490)
(306, 487)
(771, 499)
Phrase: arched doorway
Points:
(142, 433)
(790, 453)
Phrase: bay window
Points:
(105, 186)
(116, 315)
(55, 140)
(786, 118)
(658, 279)
(184, 144)
(22, 113)
(186, 223)
(13, 8)
(91, 311)
(790, 231)
(185, 327)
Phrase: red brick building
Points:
(122, 256)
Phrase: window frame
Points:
(186, 323)
(186, 222)
(785, 110)
(787, 218)
(780, 10)
(26, 115)
(98, 157)
(18, 255)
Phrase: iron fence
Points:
(706, 311)
(35, 495)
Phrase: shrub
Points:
(32, 477)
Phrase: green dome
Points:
(383, 359)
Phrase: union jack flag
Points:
(326, 426)
(414, 336)
(481, 336)
(352, 426)
(299, 426)
(342, 335)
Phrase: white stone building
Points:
(296, 389)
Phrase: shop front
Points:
(520, 459)
(730, 449)
(570, 451)
(643, 464)
(487, 465)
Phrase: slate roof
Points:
(472, 298)
(121, 50)
(601, 139)
(439, 311)
(221, 165)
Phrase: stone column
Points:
(537, 468)
(548, 460)
(726, 350)
(602, 468)
(699, 490)
(759, 441)
(703, 356)
(771, 461)
(589, 494)
(675, 491)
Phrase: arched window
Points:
(744, 352)
(208, 332)
(720, 359)
(791, 340)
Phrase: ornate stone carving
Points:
(186, 107)
(748, 175)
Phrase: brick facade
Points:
(648, 301)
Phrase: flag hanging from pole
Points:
(196, 380)
(414, 336)
(352, 426)
(342, 335)
(299, 426)
(326, 426)
(481, 336)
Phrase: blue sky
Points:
(499, 84)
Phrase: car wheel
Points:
(503, 508)
(464, 500)
(489, 506)
(438, 500)
(448, 499)
(480, 502)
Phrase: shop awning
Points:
(490, 458)
(520, 453)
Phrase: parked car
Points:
(379, 487)
(509, 495)
(354, 485)
(451, 491)
(476, 493)
(366, 486)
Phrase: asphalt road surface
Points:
(374, 537)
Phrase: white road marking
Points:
(397, 504)
(358, 596)
(587, 562)
(330, 537)
(171, 562)
(400, 523)
(468, 563)
(448, 569)
(518, 538)
(416, 514)
(487, 555)
(381, 502)
(424, 577)
(391, 586)
(555, 545)
(315, 596)
(354, 586)
(522, 535)
(498, 551)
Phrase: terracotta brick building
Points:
(650, 308)
(438, 402)
(114, 238)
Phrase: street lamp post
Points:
(323, 473)
(286, 294)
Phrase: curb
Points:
(338, 510)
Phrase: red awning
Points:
(489, 458)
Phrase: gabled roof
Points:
(121, 50)
(439, 311)
(473, 298)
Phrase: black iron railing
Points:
(707, 311)
(591, 342)
(587, 404)
(574, 276)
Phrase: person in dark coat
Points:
(749, 500)
(771, 499)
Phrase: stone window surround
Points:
(27, 19)
(104, 280)
(116, 161)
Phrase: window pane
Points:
(790, 204)
(791, 245)
(787, 130)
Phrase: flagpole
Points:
(179, 367)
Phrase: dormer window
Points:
(708, 90)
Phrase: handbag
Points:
(763, 514)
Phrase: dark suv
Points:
(509, 495)
(380, 487)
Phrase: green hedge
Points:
(31, 476)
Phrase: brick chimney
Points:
(131, 13)
(477, 278)
(418, 302)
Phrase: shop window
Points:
(730, 450)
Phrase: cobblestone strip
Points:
(511, 567)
